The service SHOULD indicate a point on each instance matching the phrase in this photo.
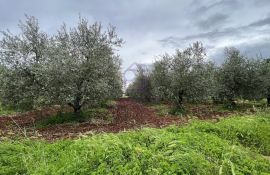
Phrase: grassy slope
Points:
(237, 145)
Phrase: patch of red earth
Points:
(28, 118)
(128, 114)
(204, 112)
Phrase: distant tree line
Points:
(188, 76)
(76, 66)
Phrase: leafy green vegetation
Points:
(51, 74)
(243, 106)
(82, 116)
(161, 109)
(5, 110)
(188, 76)
(109, 104)
(236, 145)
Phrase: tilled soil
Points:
(127, 114)
(26, 119)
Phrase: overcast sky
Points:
(153, 27)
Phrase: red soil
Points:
(127, 114)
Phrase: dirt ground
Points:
(127, 114)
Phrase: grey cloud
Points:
(261, 2)
(262, 22)
(170, 41)
(259, 49)
(234, 32)
(214, 20)
(216, 4)
(153, 27)
(212, 35)
(253, 50)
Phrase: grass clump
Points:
(70, 117)
(6, 110)
(109, 104)
(60, 118)
(198, 148)
(161, 109)
(178, 111)
(166, 109)
(251, 132)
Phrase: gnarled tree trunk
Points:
(76, 105)
(180, 98)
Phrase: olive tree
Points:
(241, 77)
(265, 74)
(23, 56)
(83, 66)
(254, 88)
(76, 67)
(161, 79)
(232, 75)
(191, 75)
(141, 88)
(2, 72)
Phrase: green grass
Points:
(166, 109)
(84, 115)
(236, 145)
(6, 110)
(109, 104)
(161, 109)
(241, 107)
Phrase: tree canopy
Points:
(76, 66)
(189, 76)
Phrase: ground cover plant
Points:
(89, 115)
(4, 110)
(236, 145)
(206, 110)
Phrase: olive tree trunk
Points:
(76, 105)
(180, 99)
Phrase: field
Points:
(235, 145)
(69, 103)
(115, 116)
(207, 139)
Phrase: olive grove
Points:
(141, 88)
(76, 66)
(240, 77)
(188, 76)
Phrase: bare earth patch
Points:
(127, 114)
